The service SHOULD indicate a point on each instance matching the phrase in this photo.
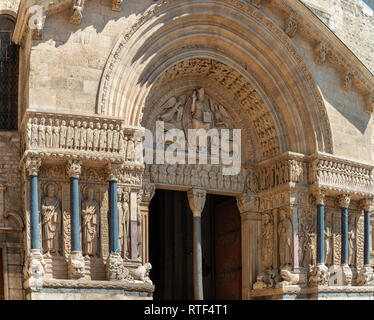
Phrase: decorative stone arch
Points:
(230, 32)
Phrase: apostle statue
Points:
(267, 238)
(328, 242)
(124, 224)
(285, 240)
(51, 221)
(351, 241)
(90, 213)
(139, 221)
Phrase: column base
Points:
(34, 269)
(365, 276)
(318, 276)
(115, 269)
(76, 265)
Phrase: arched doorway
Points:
(171, 246)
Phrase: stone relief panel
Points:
(307, 238)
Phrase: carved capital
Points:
(116, 5)
(344, 200)
(114, 171)
(248, 203)
(148, 192)
(196, 200)
(319, 276)
(320, 53)
(32, 166)
(74, 168)
(320, 197)
(367, 204)
(76, 265)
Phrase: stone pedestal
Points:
(34, 269)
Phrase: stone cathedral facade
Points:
(82, 217)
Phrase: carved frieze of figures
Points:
(267, 240)
(51, 220)
(204, 176)
(124, 222)
(284, 240)
(329, 243)
(90, 223)
(79, 135)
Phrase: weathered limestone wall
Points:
(352, 21)
(66, 66)
(11, 223)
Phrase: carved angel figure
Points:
(51, 221)
(173, 112)
(285, 240)
(90, 212)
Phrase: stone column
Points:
(251, 239)
(344, 201)
(148, 193)
(366, 275)
(115, 269)
(320, 274)
(35, 265)
(196, 200)
(76, 261)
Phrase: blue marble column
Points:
(113, 234)
(320, 233)
(344, 201)
(366, 238)
(74, 215)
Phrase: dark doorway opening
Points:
(171, 247)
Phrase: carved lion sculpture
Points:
(142, 273)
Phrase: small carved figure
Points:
(267, 240)
(96, 137)
(41, 132)
(187, 175)
(90, 131)
(154, 173)
(90, 213)
(227, 182)
(234, 182)
(48, 134)
(130, 149)
(110, 138)
(83, 142)
(70, 135)
(77, 135)
(219, 178)
(63, 134)
(51, 221)
(121, 143)
(204, 177)
(56, 134)
(116, 138)
(103, 138)
(171, 174)
(124, 225)
(180, 175)
(213, 177)
(139, 223)
(194, 176)
(34, 132)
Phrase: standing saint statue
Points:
(351, 241)
(90, 213)
(285, 240)
(200, 111)
(124, 225)
(51, 221)
(328, 242)
(267, 238)
(139, 221)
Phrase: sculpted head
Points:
(89, 194)
(90, 125)
(71, 123)
(200, 94)
(84, 124)
(50, 190)
(98, 125)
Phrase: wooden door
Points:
(228, 251)
(1, 275)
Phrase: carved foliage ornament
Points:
(196, 200)
(32, 166)
(344, 200)
(74, 168)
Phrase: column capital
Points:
(320, 195)
(247, 203)
(74, 168)
(367, 204)
(148, 192)
(196, 200)
(344, 200)
(32, 166)
(114, 171)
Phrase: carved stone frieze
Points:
(291, 25)
(201, 176)
(60, 135)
